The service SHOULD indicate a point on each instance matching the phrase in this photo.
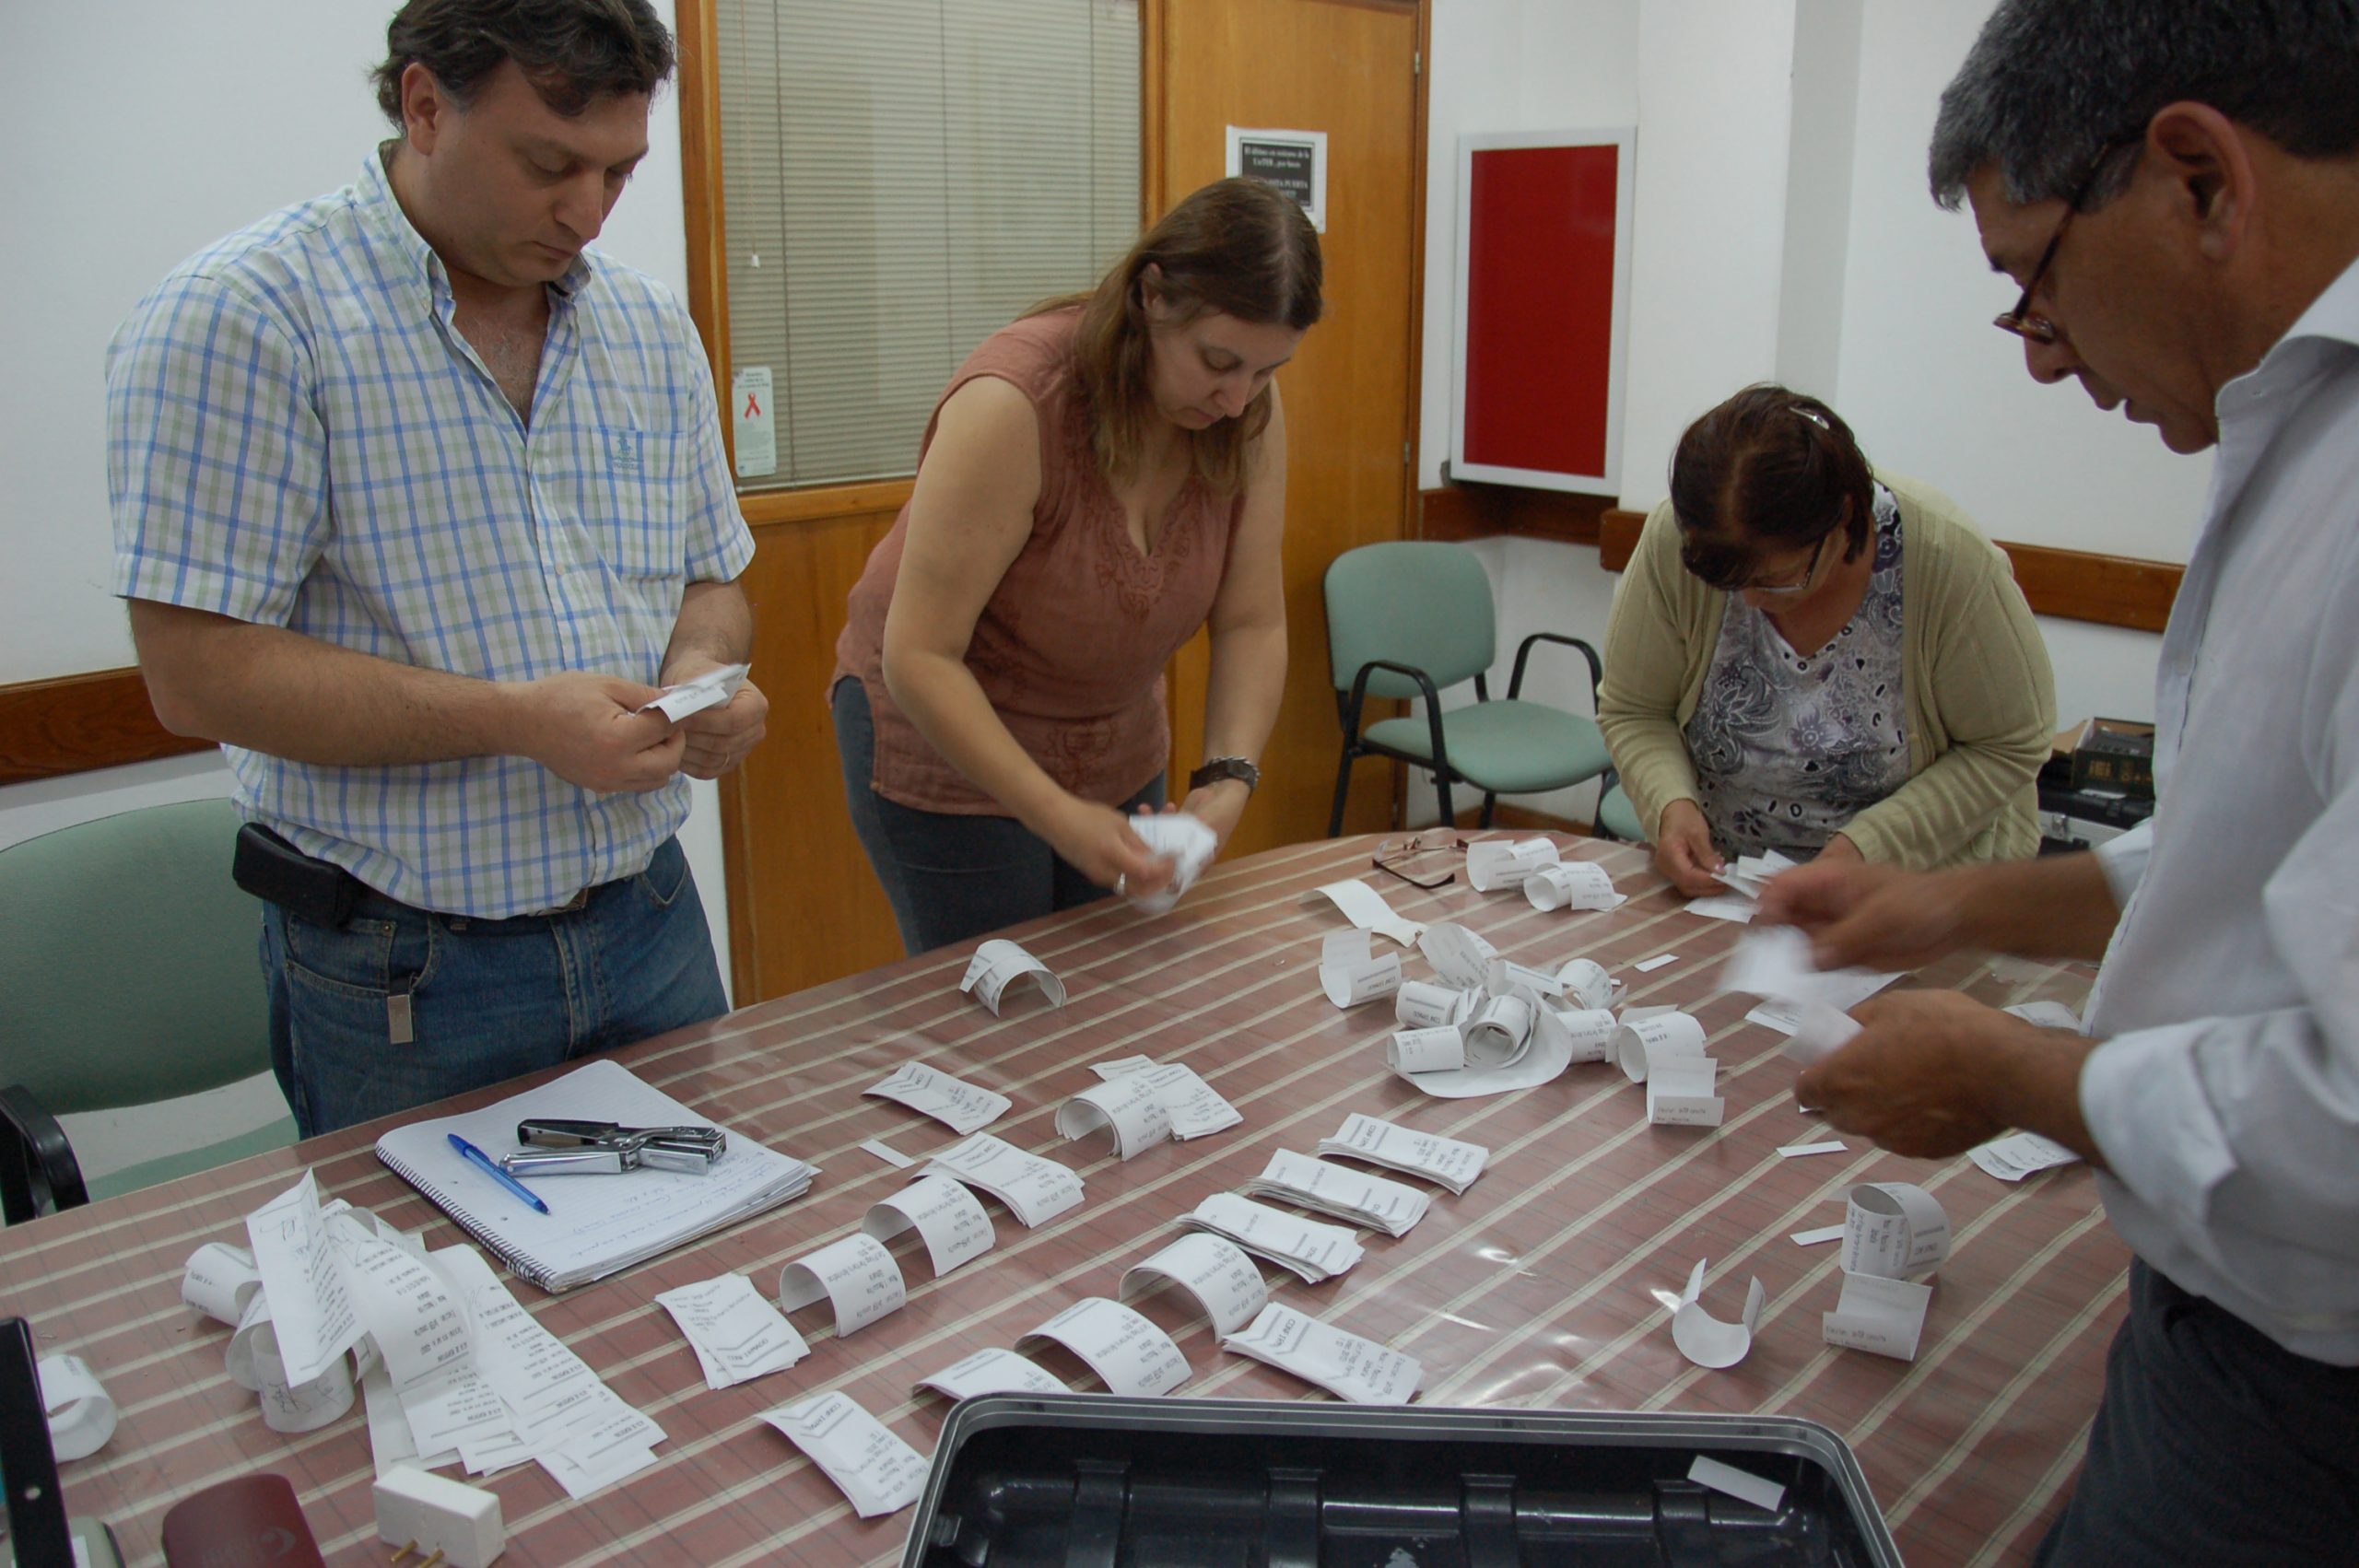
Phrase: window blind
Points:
(901, 179)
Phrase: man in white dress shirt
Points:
(2175, 186)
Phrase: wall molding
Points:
(2073, 585)
(76, 723)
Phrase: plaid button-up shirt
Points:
(299, 436)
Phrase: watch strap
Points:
(1221, 767)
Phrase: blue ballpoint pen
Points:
(491, 1168)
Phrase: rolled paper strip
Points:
(1643, 1041)
(1588, 1033)
(81, 1415)
(1425, 1051)
(1460, 957)
(1499, 1031)
(1893, 1229)
(1495, 863)
(1421, 1005)
(1571, 884)
(1586, 982)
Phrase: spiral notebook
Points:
(597, 1225)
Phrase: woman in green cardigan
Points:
(1809, 657)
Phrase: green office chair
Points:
(1413, 619)
(127, 975)
(1616, 817)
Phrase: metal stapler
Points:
(557, 1147)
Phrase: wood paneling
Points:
(1349, 68)
(805, 906)
(2073, 585)
(79, 722)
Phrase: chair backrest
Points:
(1421, 603)
(127, 961)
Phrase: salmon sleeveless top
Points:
(1072, 647)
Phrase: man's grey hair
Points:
(2052, 84)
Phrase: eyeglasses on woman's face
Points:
(1789, 585)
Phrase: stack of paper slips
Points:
(1313, 1251)
(1344, 1364)
(1388, 1206)
(1194, 1107)
(1033, 1188)
(1454, 1163)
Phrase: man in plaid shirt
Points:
(419, 501)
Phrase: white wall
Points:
(1783, 229)
(147, 129)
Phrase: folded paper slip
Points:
(1348, 1195)
(597, 1225)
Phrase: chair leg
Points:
(1343, 789)
(1441, 794)
(1490, 804)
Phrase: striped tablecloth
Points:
(1534, 1289)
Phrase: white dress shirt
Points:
(2225, 1095)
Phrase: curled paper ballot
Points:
(1344, 1364)
(876, 1470)
(81, 1416)
(1421, 1005)
(1751, 873)
(1893, 1229)
(1366, 907)
(951, 1220)
(2046, 1014)
(737, 1335)
(1217, 1272)
(1127, 1108)
(1542, 1060)
(1195, 1107)
(1442, 1049)
(1650, 1037)
(1704, 1338)
(1428, 1154)
(1313, 1251)
(1505, 976)
(964, 1107)
(1586, 1034)
(1128, 1353)
(290, 1405)
(1034, 1188)
(1353, 1196)
(2020, 1154)
(993, 1372)
(1679, 1093)
(708, 690)
(1350, 975)
(1460, 957)
(219, 1280)
(856, 1275)
(999, 963)
(1493, 864)
(1499, 1031)
(1587, 983)
(1819, 1031)
(1879, 1314)
(1187, 842)
(1571, 884)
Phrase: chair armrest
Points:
(1425, 688)
(1523, 651)
(39, 1173)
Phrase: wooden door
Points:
(1351, 69)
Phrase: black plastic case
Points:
(1097, 1481)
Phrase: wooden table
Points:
(1533, 1289)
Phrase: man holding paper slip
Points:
(2174, 184)
(420, 505)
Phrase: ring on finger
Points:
(1122, 884)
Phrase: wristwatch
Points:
(1222, 767)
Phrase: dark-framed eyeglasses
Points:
(2021, 321)
(1398, 857)
(1810, 573)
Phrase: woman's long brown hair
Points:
(1239, 246)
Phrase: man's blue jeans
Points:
(479, 1002)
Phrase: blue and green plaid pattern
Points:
(297, 436)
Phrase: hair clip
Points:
(1813, 416)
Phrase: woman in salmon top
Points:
(1099, 480)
